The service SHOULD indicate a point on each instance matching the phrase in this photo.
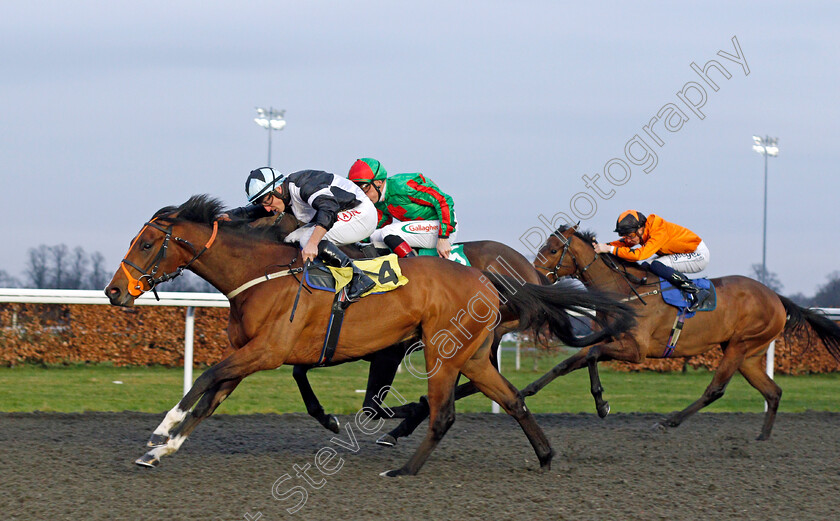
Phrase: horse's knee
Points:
(713, 393)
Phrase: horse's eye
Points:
(146, 246)
(553, 251)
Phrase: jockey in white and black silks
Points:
(426, 215)
(334, 212)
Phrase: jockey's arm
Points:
(310, 249)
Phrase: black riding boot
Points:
(695, 295)
(332, 255)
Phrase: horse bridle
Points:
(148, 275)
(580, 271)
(568, 249)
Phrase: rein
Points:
(148, 275)
(629, 278)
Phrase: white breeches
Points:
(350, 226)
(688, 262)
(418, 234)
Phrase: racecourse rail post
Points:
(189, 328)
(496, 409)
(771, 351)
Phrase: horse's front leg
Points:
(313, 406)
(206, 406)
(212, 387)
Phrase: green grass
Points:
(154, 389)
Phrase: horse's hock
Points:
(51, 333)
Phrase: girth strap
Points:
(340, 303)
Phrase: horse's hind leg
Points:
(733, 356)
(313, 406)
(441, 418)
(419, 411)
(490, 382)
(756, 376)
(205, 407)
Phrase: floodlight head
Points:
(757, 140)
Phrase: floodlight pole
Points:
(764, 234)
(765, 146)
(270, 119)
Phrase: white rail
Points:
(80, 296)
(211, 300)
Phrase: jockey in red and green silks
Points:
(425, 215)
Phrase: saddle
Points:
(674, 297)
(385, 271)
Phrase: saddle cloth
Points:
(674, 296)
(456, 254)
(385, 271)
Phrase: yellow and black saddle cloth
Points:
(385, 271)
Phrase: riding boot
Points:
(398, 245)
(332, 255)
(694, 294)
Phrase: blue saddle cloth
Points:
(674, 297)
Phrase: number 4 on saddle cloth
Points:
(675, 297)
(385, 271)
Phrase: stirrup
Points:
(697, 300)
(354, 292)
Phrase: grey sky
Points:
(111, 110)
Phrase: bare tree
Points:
(59, 254)
(828, 295)
(77, 268)
(769, 279)
(7, 281)
(37, 270)
(98, 277)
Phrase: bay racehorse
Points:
(451, 308)
(747, 318)
(484, 255)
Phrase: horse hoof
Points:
(386, 440)
(157, 440)
(545, 462)
(392, 473)
(604, 410)
(147, 460)
(659, 427)
(333, 424)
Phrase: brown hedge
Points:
(124, 336)
(155, 335)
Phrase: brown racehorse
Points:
(447, 305)
(483, 255)
(747, 318)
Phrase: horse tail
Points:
(550, 306)
(826, 329)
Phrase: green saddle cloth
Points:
(456, 254)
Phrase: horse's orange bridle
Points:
(135, 285)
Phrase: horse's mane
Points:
(589, 237)
(205, 209)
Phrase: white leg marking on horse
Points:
(171, 447)
(172, 418)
